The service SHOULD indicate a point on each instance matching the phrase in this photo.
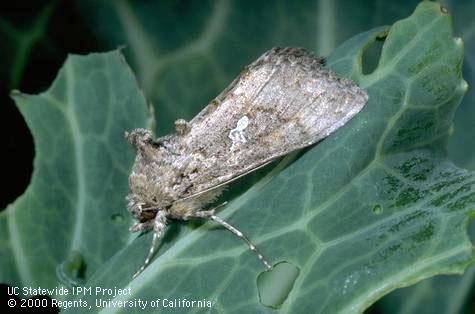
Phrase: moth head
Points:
(152, 176)
(141, 211)
(148, 189)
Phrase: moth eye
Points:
(157, 144)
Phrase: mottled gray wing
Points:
(283, 101)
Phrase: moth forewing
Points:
(287, 101)
(283, 101)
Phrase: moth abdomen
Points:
(187, 208)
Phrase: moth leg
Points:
(141, 226)
(210, 215)
(159, 224)
(203, 214)
(238, 233)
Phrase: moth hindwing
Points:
(283, 101)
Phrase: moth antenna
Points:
(139, 137)
(158, 226)
(238, 233)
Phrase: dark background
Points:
(41, 62)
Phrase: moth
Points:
(283, 101)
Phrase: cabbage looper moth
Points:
(283, 101)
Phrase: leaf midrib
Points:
(79, 156)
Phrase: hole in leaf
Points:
(275, 285)
(372, 54)
(377, 209)
(71, 272)
(117, 218)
